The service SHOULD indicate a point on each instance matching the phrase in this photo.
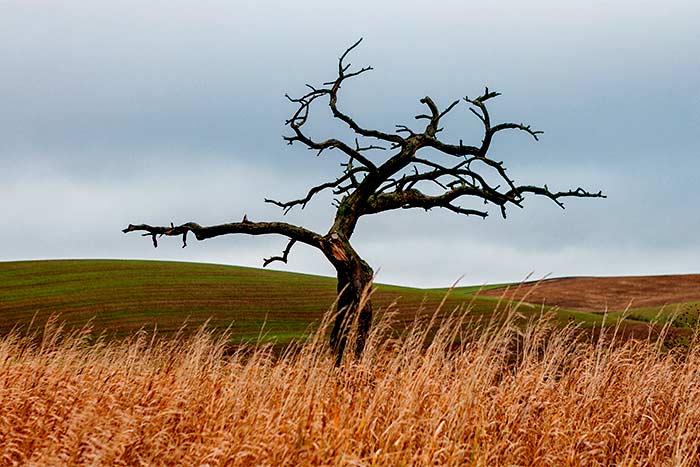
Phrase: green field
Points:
(120, 297)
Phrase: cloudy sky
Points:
(127, 112)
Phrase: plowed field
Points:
(598, 294)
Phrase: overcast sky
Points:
(127, 112)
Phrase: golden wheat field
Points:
(443, 393)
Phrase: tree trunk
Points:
(354, 283)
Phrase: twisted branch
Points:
(295, 233)
(544, 191)
(349, 175)
(283, 258)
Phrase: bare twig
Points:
(283, 258)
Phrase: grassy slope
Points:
(123, 296)
(682, 314)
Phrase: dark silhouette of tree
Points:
(383, 171)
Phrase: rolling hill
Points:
(122, 296)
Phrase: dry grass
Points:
(501, 395)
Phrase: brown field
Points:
(598, 294)
(499, 395)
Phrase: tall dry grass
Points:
(441, 394)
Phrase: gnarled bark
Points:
(355, 278)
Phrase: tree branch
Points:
(283, 258)
(245, 227)
(435, 116)
(333, 101)
(300, 117)
(287, 206)
(414, 198)
(517, 126)
(544, 191)
(482, 113)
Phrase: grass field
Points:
(120, 297)
(521, 385)
(503, 395)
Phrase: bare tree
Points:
(383, 171)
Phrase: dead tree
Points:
(383, 171)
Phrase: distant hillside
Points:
(644, 297)
(120, 297)
(598, 294)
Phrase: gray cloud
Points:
(123, 112)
